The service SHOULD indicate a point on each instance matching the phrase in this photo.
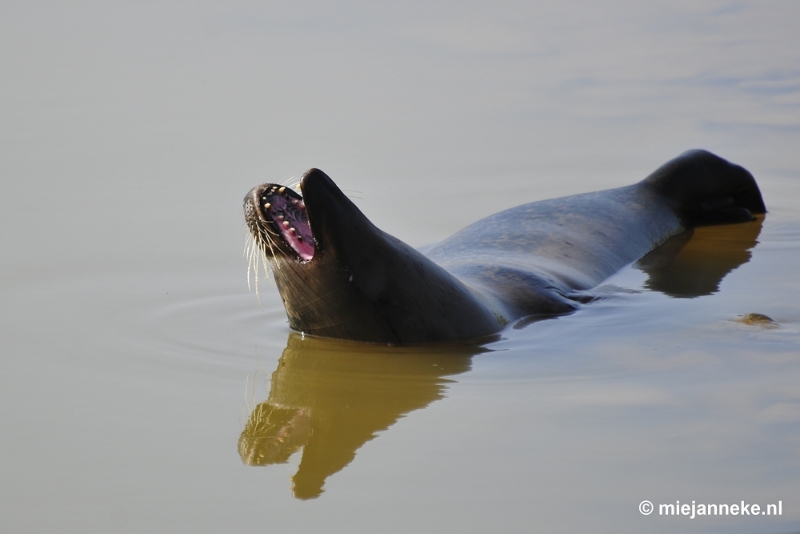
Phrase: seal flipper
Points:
(521, 292)
(705, 189)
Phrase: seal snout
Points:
(316, 184)
(337, 222)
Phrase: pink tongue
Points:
(290, 217)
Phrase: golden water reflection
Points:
(329, 397)
(694, 263)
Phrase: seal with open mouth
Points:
(340, 276)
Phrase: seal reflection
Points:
(694, 263)
(330, 397)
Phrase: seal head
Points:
(340, 276)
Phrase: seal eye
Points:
(286, 211)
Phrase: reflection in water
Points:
(694, 263)
(330, 397)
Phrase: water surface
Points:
(144, 387)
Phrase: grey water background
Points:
(131, 345)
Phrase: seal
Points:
(340, 276)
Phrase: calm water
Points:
(144, 388)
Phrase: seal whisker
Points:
(249, 242)
(256, 256)
(353, 193)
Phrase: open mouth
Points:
(273, 434)
(283, 209)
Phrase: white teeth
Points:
(281, 190)
(267, 205)
(293, 230)
(286, 224)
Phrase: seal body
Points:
(340, 276)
